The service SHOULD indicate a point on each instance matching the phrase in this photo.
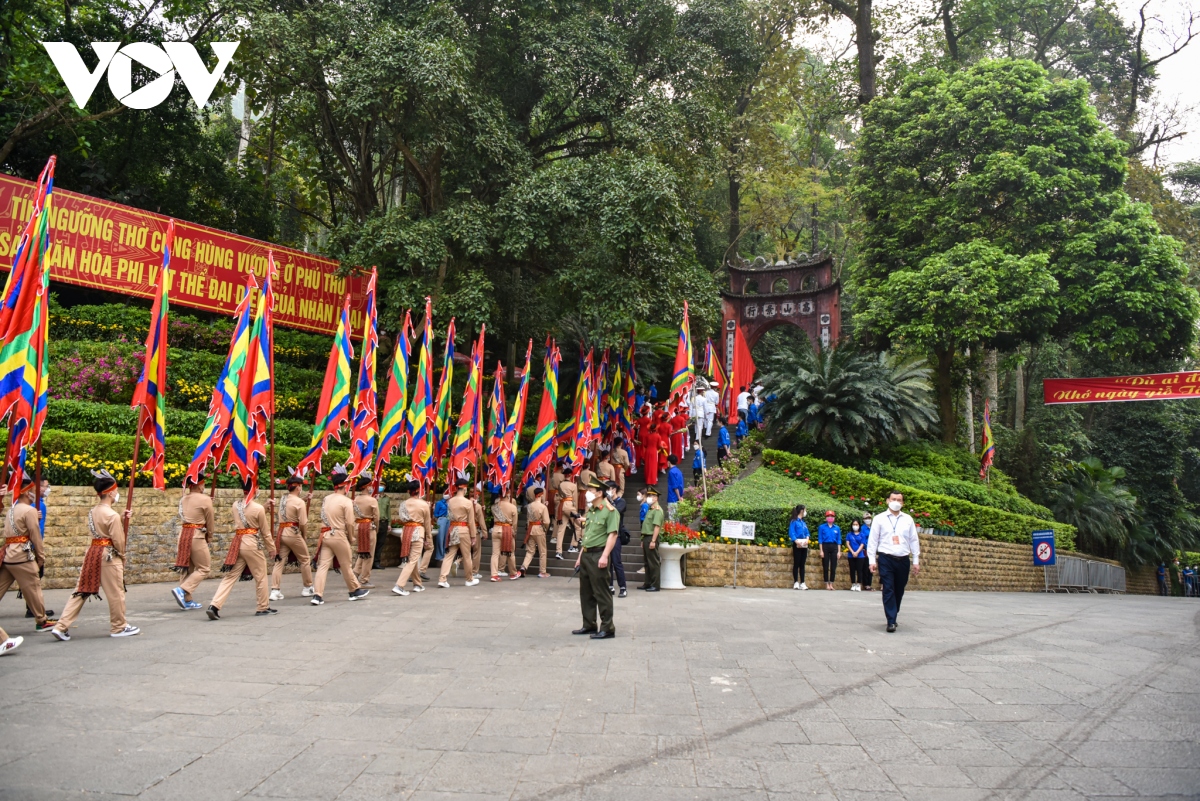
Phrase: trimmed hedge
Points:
(767, 498)
(970, 520)
(963, 490)
(87, 417)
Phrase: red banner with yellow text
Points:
(116, 248)
(1114, 389)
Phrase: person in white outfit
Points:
(892, 541)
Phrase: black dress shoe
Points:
(604, 635)
(891, 627)
(213, 613)
(623, 593)
(652, 589)
(267, 611)
(584, 631)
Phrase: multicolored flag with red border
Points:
(685, 372)
(149, 396)
(496, 423)
(418, 422)
(712, 366)
(365, 423)
(989, 443)
(333, 409)
(541, 451)
(248, 429)
(442, 411)
(467, 439)
(393, 431)
(512, 430)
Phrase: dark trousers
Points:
(799, 560)
(616, 570)
(594, 597)
(893, 578)
(722, 455)
(652, 559)
(860, 573)
(829, 560)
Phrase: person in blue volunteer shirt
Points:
(865, 577)
(829, 535)
(856, 557)
(752, 414)
(741, 431)
(722, 443)
(698, 465)
(1163, 587)
(674, 487)
(799, 534)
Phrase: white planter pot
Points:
(670, 576)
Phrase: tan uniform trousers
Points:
(112, 584)
(428, 555)
(537, 542)
(477, 554)
(292, 542)
(362, 564)
(338, 546)
(464, 550)
(201, 565)
(565, 527)
(248, 556)
(25, 575)
(511, 565)
(412, 568)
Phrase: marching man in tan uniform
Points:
(504, 541)
(481, 528)
(103, 563)
(564, 523)
(293, 520)
(620, 461)
(24, 556)
(605, 470)
(537, 518)
(556, 477)
(366, 526)
(196, 531)
(461, 534)
(337, 523)
(251, 543)
(416, 522)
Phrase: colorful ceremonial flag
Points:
(24, 325)
(541, 451)
(441, 418)
(365, 421)
(393, 431)
(465, 451)
(215, 435)
(419, 425)
(149, 395)
(989, 444)
(512, 430)
(685, 372)
(496, 427)
(712, 366)
(255, 400)
(333, 409)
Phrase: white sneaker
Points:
(477, 577)
(503, 574)
(307, 592)
(61, 635)
(10, 645)
(420, 588)
(803, 586)
(399, 591)
(471, 583)
(444, 585)
(796, 586)
(128, 631)
(276, 595)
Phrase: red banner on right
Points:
(1114, 389)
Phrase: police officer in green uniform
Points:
(651, 529)
(600, 532)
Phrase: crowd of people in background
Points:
(1188, 577)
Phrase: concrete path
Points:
(704, 694)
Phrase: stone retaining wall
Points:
(947, 563)
(154, 533)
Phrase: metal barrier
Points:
(1074, 574)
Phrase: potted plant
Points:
(676, 540)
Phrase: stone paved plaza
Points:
(704, 694)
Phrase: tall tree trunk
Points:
(945, 393)
(735, 210)
(864, 35)
(1019, 406)
(970, 401)
(991, 367)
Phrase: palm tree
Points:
(848, 401)
(1092, 498)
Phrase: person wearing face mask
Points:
(856, 557)
(865, 573)
(22, 557)
(192, 558)
(616, 568)
(652, 524)
(829, 535)
(462, 533)
(103, 563)
(892, 541)
(799, 534)
(600, 536)
(537, 517)
(248, 549)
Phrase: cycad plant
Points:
(1092, 498)
(848, 401)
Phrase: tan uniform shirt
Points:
(198, 510)
(586, 477)
(256, 517)
(295, 511)
(606, 471)
(505, 511)
(556, 478)
(22, 521)
(567, 490)
(339, 514)
(480, 518)
(418, 511)
(367, 506)
(537, 512)
(620, 458)
(462, 510)
(108, 524)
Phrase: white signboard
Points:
(737, 530)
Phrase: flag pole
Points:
(137, 441)
(37, 477)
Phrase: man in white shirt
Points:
(893, 540)
(743, 402)
(711, 400)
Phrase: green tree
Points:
(1001, 156)
(1092, 498)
